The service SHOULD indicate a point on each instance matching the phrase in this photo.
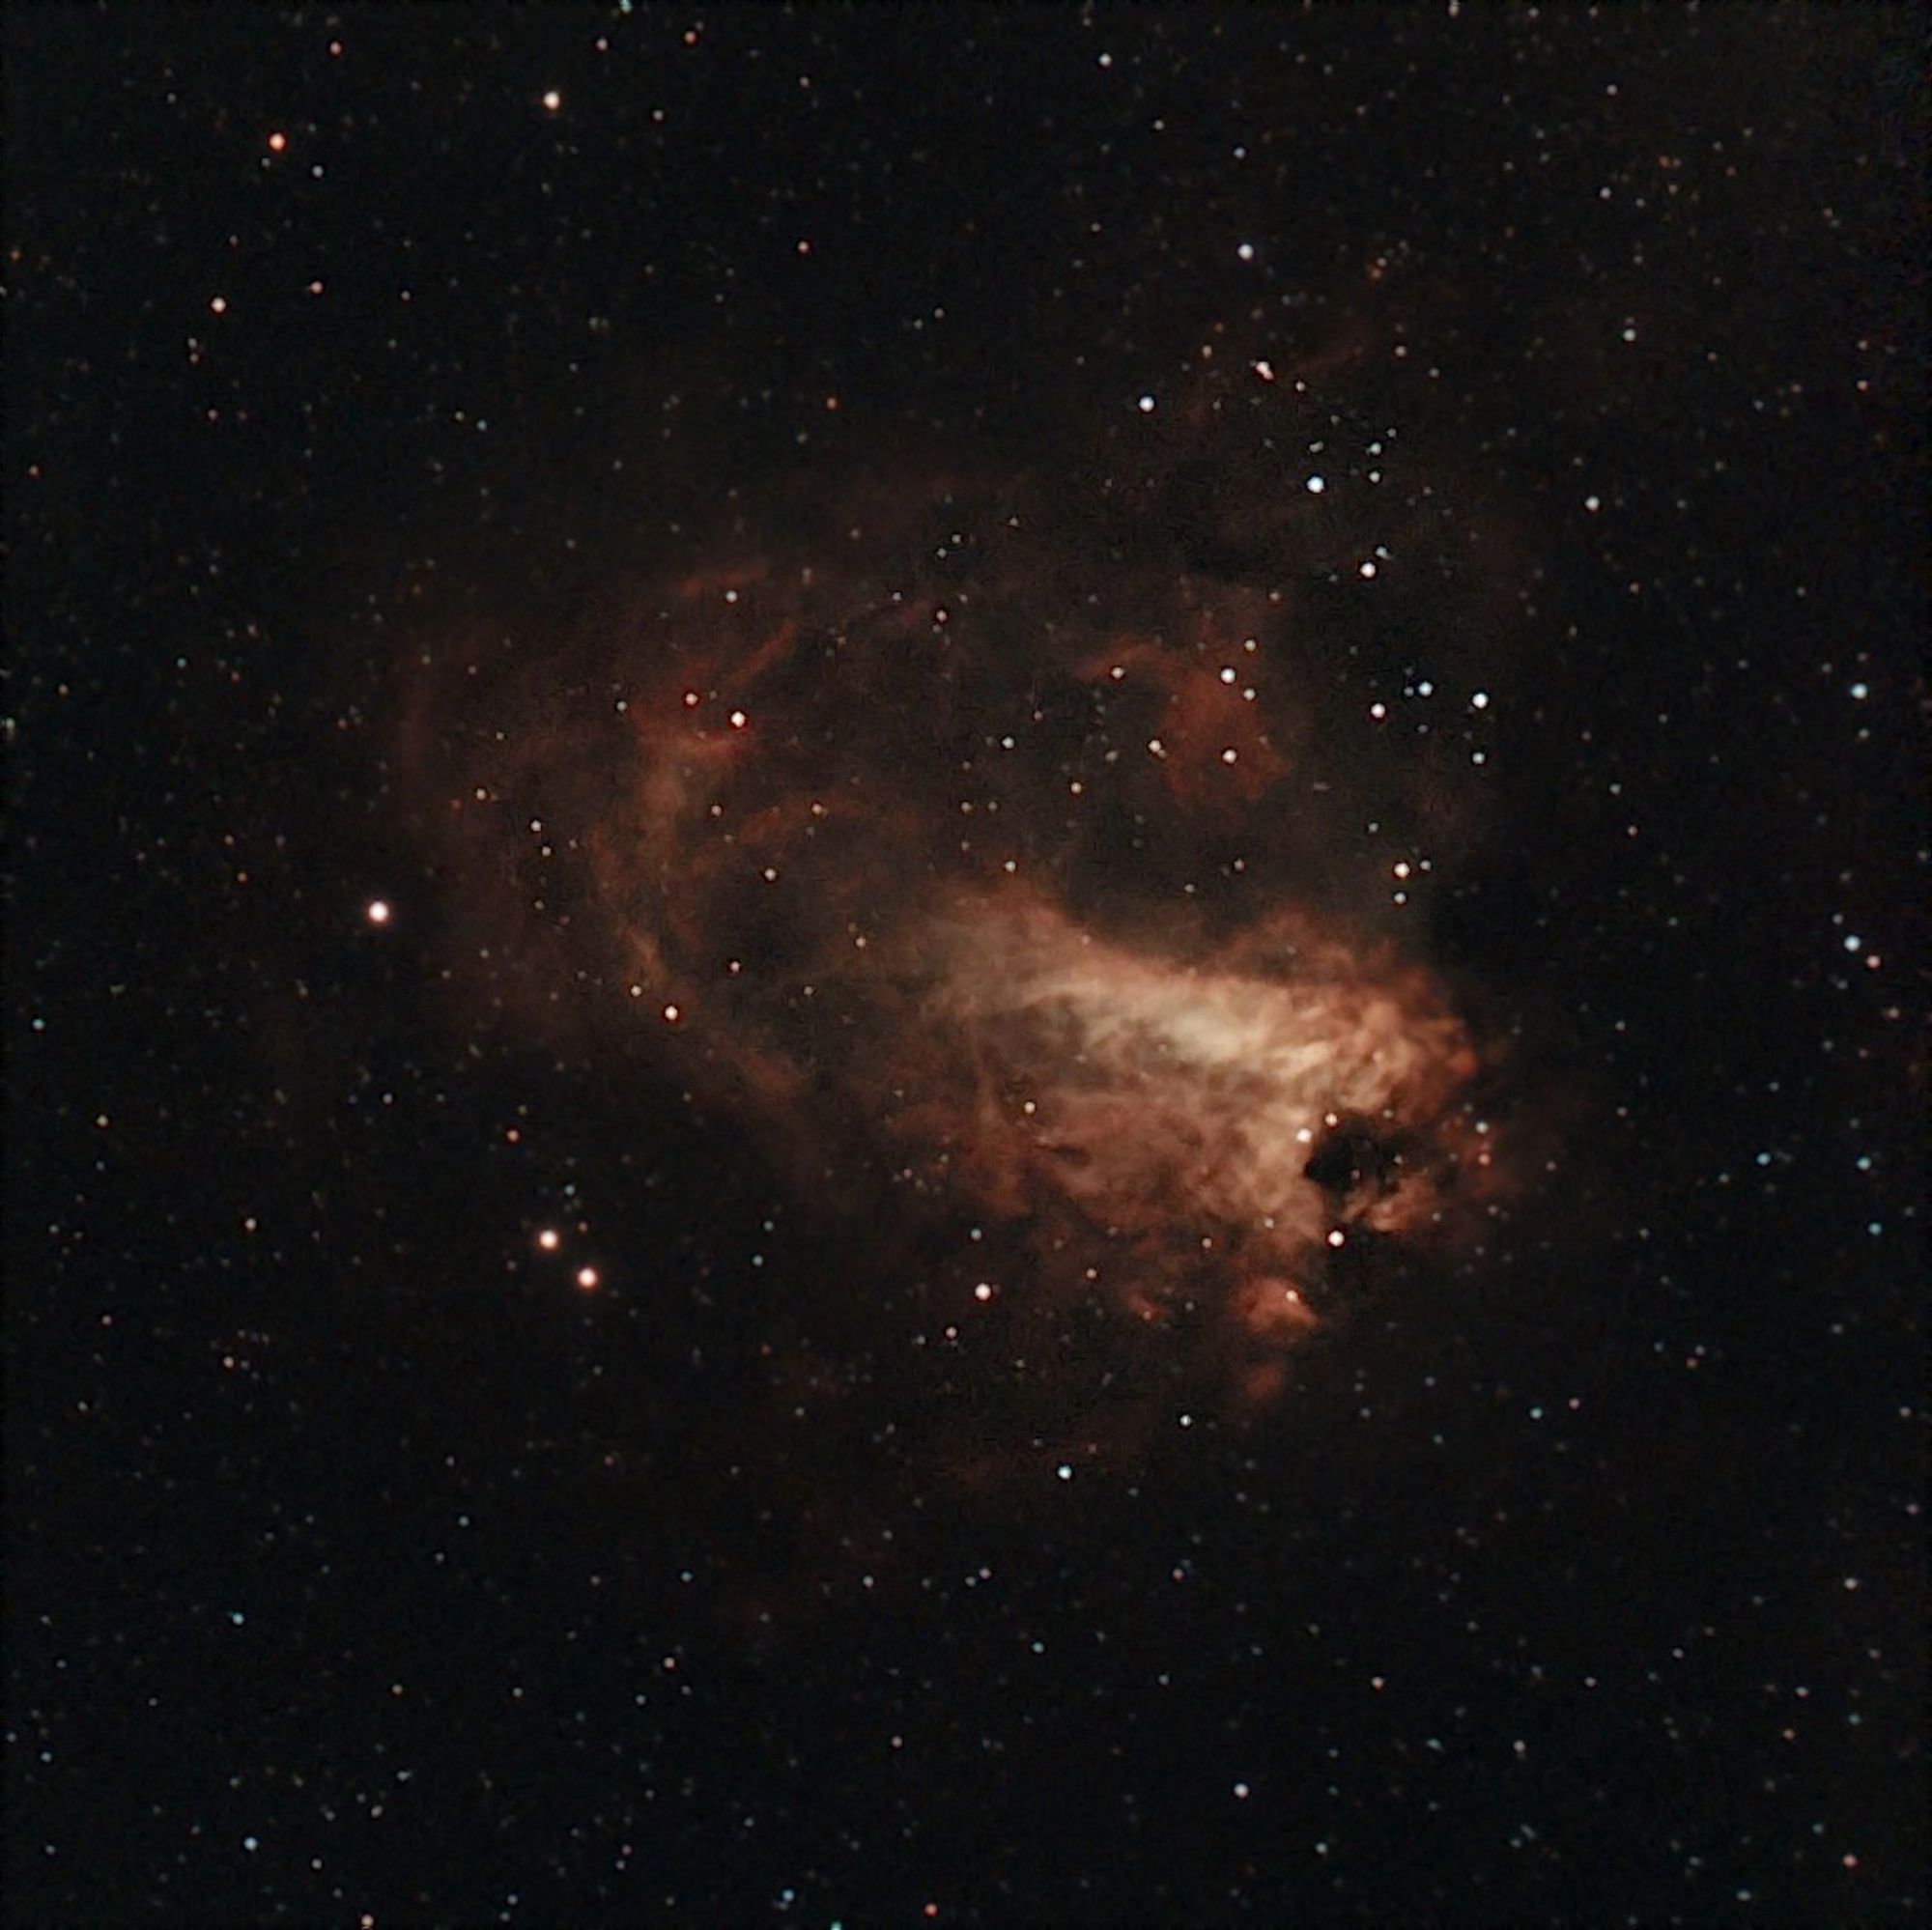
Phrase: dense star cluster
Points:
(965, 966)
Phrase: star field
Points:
(964, 966)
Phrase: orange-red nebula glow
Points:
(994, 871)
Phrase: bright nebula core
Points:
(1037, 865)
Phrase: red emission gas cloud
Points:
(1014, 856)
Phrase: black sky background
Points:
(360, 1570)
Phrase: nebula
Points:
(1028, 858)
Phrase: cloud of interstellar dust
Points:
(1027, 855)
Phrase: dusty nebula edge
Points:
(1037, 861)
